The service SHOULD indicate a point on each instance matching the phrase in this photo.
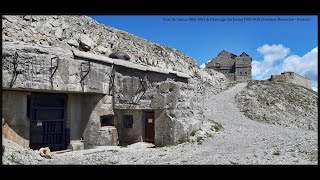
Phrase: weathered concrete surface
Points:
(134, 134)
(96, 106)
(34, 70)
(108, 136)
(16, 124)
(136, 83)
(75, 120)
(76, 145)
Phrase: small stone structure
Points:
(292, 77)
(235, 68)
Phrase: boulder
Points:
(86, 43)
(58, 33)
(102, 49)
(73, 42)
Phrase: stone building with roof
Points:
(235, 68)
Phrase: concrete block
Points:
(76, 145)
(108, 136)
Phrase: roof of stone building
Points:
(243, 54)
(227, 54)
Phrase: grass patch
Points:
(199, 140)
(184, 140)
(193, 133)
(313, 157)
(276, 152)
(208, 134)
(113, 162)
(216, 127)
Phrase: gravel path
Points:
(242, 141)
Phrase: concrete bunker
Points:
(85, 100)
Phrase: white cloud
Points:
(273, 53)
(202, 66)
(306, 65)
(315, 89)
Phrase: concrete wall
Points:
(163, 128)
(14, 112)
(33, 70)
(134, 134)
(94, 106)
(74, 116)
(33, 74)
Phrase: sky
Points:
(276, 43)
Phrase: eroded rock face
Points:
(84, 33)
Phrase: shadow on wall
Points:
(16, 125)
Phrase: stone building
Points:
(292, 77)
(235, 68)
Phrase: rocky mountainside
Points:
(85, 34)
(280, 103)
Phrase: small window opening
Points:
(106, 120)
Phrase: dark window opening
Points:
(106, 121)
(245, 73)
(127, 121)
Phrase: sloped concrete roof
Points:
(127, 64)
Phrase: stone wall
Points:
(243, 68)
(235, 68)
(291, 77)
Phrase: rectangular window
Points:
(127, 121)
(106, 121)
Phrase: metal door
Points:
(47, 121)
(149, 127)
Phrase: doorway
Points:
(149, 127)
(47, 121)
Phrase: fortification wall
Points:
(291, 77)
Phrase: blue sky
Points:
(276, 43)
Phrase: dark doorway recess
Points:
(47, 114)
(149, 127)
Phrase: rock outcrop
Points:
(283, 104)
(84, 33)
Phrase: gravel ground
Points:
(240, 141)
